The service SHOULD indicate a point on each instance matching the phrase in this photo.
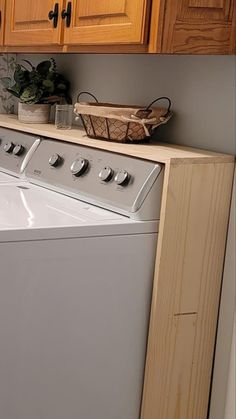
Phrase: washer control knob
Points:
(18, 150)
(106, 174)
(79, 166)
(122, 178)
(8, 147)
(55, 160)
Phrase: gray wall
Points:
(203, 90)
(230, 412)
(223, 390)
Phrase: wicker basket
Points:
(121, 123)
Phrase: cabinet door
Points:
(106, 22)
(2, 19)
(198, 26)
(28, 22)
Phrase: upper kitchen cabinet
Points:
(2, 15)
(32, 23)
(198, 27)
(155, 26)
(105, 22)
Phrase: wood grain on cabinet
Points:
(233, 32)
(2, 20)
(156, 26)
(119, 26)
(107, 22)
(28, 23)
(198, 26)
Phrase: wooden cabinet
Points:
(106, 22)
(155, 26)
(28, 22)
(2, 20)
(199, 26)
(81, 22)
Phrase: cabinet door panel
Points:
(101, 8)
(107, 22)
(204, 9)
(215, 4)
(28, 22)
(198, 26)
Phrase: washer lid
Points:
(38, 213)
(5, 178)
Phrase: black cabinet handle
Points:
(66, 14)
(53, 15)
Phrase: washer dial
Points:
(122, 178)
(18, 150)
(106, 174)
(8, 147)
(55, 160)
(79, 166)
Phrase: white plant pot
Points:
(33, 114)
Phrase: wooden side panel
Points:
(28, 22)
(190, 256)
(2, 20)
(107, 22)
(198, 26)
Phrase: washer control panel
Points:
(14, 149)
(110, 180)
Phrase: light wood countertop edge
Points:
(161, 152)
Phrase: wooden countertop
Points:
(160, 152)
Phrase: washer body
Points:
(75, 288)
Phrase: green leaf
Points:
(13, 92)
(61, 86)
(31, 95)
(44, 67)
(28, 62)
(16, 88)
(34, 77)
(48, 85)
(21, 75)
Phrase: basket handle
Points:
(161, 98)
(86, 93)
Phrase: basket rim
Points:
(111, 105)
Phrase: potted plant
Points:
(37, 88)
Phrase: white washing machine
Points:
(76, 283)
(16, 150)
